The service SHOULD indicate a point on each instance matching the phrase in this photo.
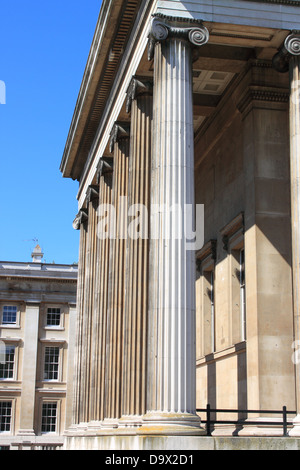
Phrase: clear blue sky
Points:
(43, 51)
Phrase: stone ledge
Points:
(191, 443)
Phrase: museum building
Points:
(187, 104)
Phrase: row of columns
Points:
(135, 362)
(136, 298)
(113, 280)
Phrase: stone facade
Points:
(201, 110)
(37, 329)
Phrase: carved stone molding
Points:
(162, 28)
(138, 86)
(119, 130)
(232, 231)
(295, 3)
(208, 250)
(80, 218)
(291, 47)
(261, 94)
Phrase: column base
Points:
(171, 424)
(130, 421)
(110, 423)
(295, 431)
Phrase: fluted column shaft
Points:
(80, 223)
(88, 306)
(116, 285)
(171, 338)
(172, 278)
(295, 213)
(135, 341)
(97, 392)
(79, 304)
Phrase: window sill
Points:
(51, 382)
(10, 380)
(56, 328)
(11, 326)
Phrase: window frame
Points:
(15, 342)
(61, 325)
(53, 325)
(49, 402)
(59, 363)
(10, 430)
(243, 308)
(206, 259)
(15, 324)
(13, 371)
(233, 237)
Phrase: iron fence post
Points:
(208, 420)
(285, 430)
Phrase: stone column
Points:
(86, 283)
(171, 389)
(88, 303)
(79, 224)
(119, 145)
(89, 371)
(140, 104)
(288, 59)
(104, 182)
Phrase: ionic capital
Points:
(138, 86)
(92, 194)
(80, 218)
(119, 130)
(105, 165)
(291, 47)
(161, 29)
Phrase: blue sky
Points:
(43, 51)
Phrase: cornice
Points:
(295, 3)
(38, 279)
(115, 24)
(262, 94)
(237, 225)
(208, 250)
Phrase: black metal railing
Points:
(241, 422)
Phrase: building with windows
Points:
(186, 103)
(37, 329)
